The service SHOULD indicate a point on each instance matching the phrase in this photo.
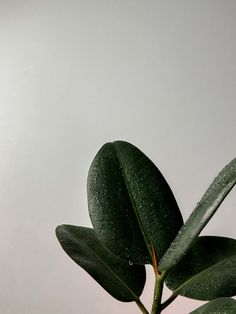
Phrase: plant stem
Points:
(141, 306)
(168, 301)
(156, 306)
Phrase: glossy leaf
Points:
(205, 209)
(131, 206)
(207, 271)
(217, 306)
(123, 281)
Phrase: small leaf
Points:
(205, 209)
(207, 271)
(123, 281)
(131, 206)
(217, 306)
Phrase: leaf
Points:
(131, 206)
(217, 306)
(205, 209)
(123, 281)
(207, 271)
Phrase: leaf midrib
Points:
(85, 245)
(133, 203)
(202, 272)
(200, 217)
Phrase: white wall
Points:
(76, 74)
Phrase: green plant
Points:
(137, 221)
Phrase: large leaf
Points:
(205, 209)
(207, 271)
(131, 206)
(217, 306)
(123, 281)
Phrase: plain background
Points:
(77, 74)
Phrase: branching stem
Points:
(168, 301)
(141, 306)
(156, 306)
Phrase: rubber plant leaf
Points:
(123, 281)
(203, 212)
(217, 306)
(131, 206)
(207, 271)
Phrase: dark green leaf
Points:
(123, 281)
(131, 206)
(217, 306)
(205, 209)
(207, 271)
